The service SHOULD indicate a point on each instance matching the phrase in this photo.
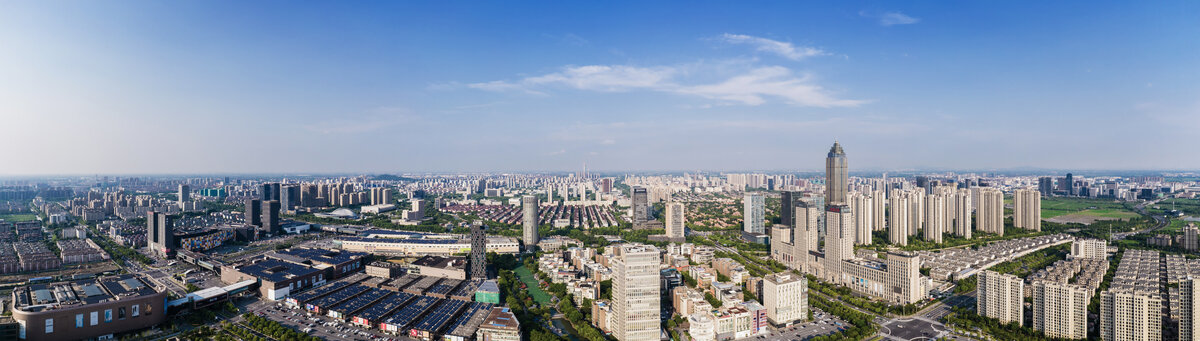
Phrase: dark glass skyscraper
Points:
(254, 212)
(478, 252)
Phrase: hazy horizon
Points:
(222, 87)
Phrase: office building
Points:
(787, 205)
(1001, 297)
(753, 219)
(1129, 315)
(989, 211)
(1027, 209)
(289, 197)
(1046, 186)
(1089, 248)
(478, 252)
(839, 239)
(1060, 309)
(270, 218)
(898, 219)
(836, 175)
(161, 234)
(785, 295)
(85, 309)
(640, 206)
(635, 292)
(253, 213)
(529, 221)
(676, 221)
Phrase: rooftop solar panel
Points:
(439, 317)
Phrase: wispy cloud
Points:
(783, 49)
(370, 120)
(891, 18)
(747, 85)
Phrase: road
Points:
(1160, 221)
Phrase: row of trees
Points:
(859, 329)
(846, 295)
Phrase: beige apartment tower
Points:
(989, 211)
(1027, 209)
(1001, 297)
(935, 218)
(897, 218)
(1189, 303)
(1126, 315)
(785, 295)
(962, 213)
(676, 220)
(635, 292)
(1060, 310)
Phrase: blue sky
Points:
(209, 86)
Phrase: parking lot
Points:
(821, 324)
(320, 325)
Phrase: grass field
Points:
(531, 282)
(18, 217)
(1054, 207)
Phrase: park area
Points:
(18, 217)
(1084, 210)
(541, 297)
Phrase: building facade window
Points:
(49, 326)
(107, 315)
(121, 313)
(95, 318)
(136, 310)
(78, 320)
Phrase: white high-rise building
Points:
(1128, 315)
(839, 240)
(752, 213)
(916, 212)
(635, 292)
(1001, 297)
(1189, 310)
(1060, 309)
(862, 206)
(1089, 248)
(898, 218)
(676, 219)
(878, 200)
(529, 221)
(935, 218)
(785, 295)
(1027, 209)
(989, 211)
(962, 213)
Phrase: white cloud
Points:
(786, 50)
(891, 18)
(746, 84)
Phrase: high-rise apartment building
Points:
(1129, 315)
(839, 239)
(1027, 209)
(863, 208)
(1191, 237)
(1189, 309)
(753, 218)
(962, 213)
(898, 218)
(836, 175)
(989, 211)
(1001, 297)
(676, 221)
(185, 194)
(1060, 309)
(1089, 248)
(478, 252)
(635, 292)
(935, 217)
(529, 221)
(878, 200)
(916, 212)
(785, 296)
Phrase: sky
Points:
(189, 87)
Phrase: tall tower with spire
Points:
(836, 176)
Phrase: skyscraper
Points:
(253, 213)
(1001, 297)
(529, 221)
(478, 252)
(898, 218)
(1027, 209)
(752, 213)
(1060, 309)
(787, 205)
(635, 293)
(989, 211)
(640, 206)
(1131, 315)
(289, 197)
(161, 231)
(185, 194)
(1046, 185)
(676, 220)
(935, 218)
(1070, 184)
(862, 206)
(962, 213)
(270, 218)
(839, 239)
(1189, 309)
(836, 175)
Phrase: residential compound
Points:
(87, 309)
(1131, 309)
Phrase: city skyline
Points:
(188, 88)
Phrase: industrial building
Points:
(87, 309)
